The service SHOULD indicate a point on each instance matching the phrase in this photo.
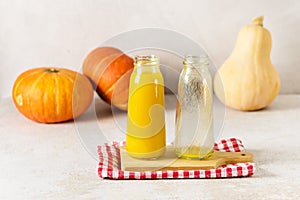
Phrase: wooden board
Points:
(170, 161)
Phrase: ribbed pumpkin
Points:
(109, 69)
(51, 95)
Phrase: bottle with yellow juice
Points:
(146, 135)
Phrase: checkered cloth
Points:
(110, 165)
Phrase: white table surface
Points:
(41, 161)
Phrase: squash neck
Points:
(258, 21)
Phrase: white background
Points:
(60, 33)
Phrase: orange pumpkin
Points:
(109, 69)
(51, 95)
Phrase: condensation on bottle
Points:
(194, 111)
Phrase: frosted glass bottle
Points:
(194, 116)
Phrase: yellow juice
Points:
(194, 152)
(145, 136)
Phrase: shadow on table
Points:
(98, 109)
(262, 158)
(286, 102)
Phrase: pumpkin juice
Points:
(145, 136)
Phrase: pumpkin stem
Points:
(258, 21)
(52, 70)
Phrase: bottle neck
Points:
(196, 62)
(146, 64)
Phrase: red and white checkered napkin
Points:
(110, 165)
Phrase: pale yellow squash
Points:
(248, 80)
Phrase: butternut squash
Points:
(248, 80)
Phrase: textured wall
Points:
(60, 33)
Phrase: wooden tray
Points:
(169, 161)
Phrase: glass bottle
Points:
(145, 136)
(194, 120)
